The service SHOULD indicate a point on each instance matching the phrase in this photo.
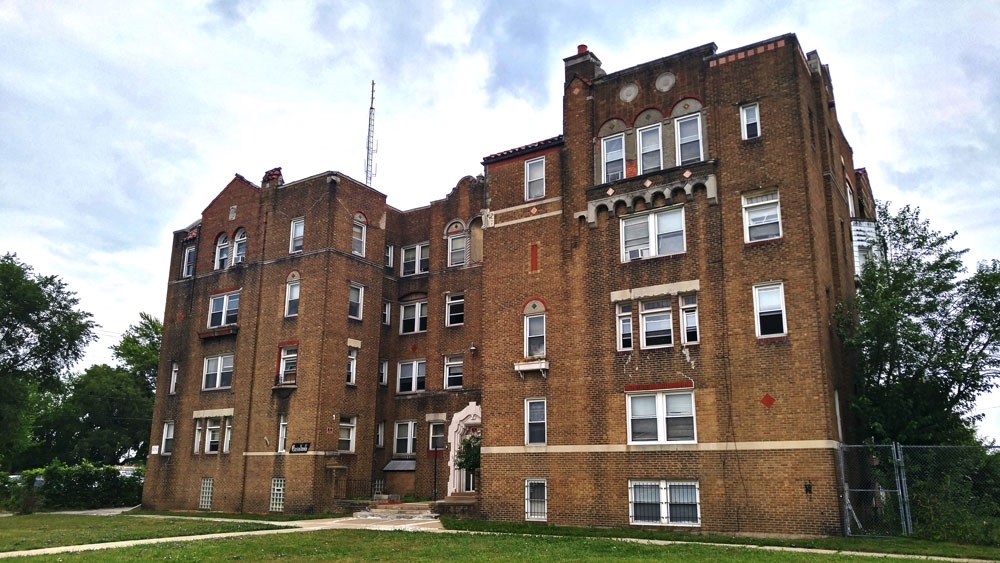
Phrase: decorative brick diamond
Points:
(413, 348)
(767, 400)
(687, 173)
(534, 210)
(610, 192)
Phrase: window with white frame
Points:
(348, 425)
(689, 319)
(456, 249)
(228, 435)
(661, 417)
(653, 234)
(410, 376)
(218, 372)
(221, 252)
(534, 178)
(380, 434)
(292, 299)
(298, 231)
(282, 432)
(197, 435)
(750, 121)
(656, 323)
(452, 372)
(277, 494)
(454, 309)
(761, 216)
(240, 247)
(613, 149)
(187, 268)
(534, 422)
(414, 317)
(358, 231)
(688, 134)
(436, 439)
(664, 502)
(535, 499)
(406, 437)
(223, 309)
(205, 494)
(383, 372)
(534, 336)
(174, 371)
(217, 434)
(769, 309)
(352, 366)
(416, 259)
(624, 326)
(288, 367)
(850, 198)
(386, 313)
(355, 297)
(388, 255)
(167, 442)
(213, 435)
(650, 155)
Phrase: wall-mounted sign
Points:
(299, 448)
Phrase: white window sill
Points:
(531, 365)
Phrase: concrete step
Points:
(402, 511)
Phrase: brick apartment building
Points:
(636, 314)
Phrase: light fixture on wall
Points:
(472, 348)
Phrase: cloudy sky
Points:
(120, 121)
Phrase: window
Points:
(174, 370)
(534, 178)
(436, 441)
(534, 336)
(288, 367)
(534, 499)
(223, 310)
(414, 317)
(850, 198)
(653, 234)
(358, 231)
(277, 494)
(167, 443)
(297, 234)
(292, 299)
(416, 259)
(664, 502)
(352, 365)
(456, 249)
(624, 326)
(383, 372)
(227, 437)
(411, 376)
(197, 435)
(348, 424)
(649, 149)
(750, 121)
(388, 255)
(659, 418)
(454, 309)
(205, 495)
(614, 157)
(240, 247)
(534, 421)
(688, 139)
(218, 372)
(769, 308)
(187, 270)
(656, 322)
(386, 313)
(354, 299)
(380, 434)
(406, 437)
(761, 216)
(282, 432)
(452, 372)
(221, 252)
(689, 319)
(212, 435)
(217, 434)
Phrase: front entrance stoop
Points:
(399, 511)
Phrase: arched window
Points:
(221, 252)
(240, 247)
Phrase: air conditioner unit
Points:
(636, 254)
(240, 260)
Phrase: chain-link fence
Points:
(935, 492)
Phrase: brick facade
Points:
(700, 199)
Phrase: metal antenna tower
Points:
(370, 160)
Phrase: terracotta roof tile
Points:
(557, 140)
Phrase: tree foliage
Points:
(42, 334)
(925, 340)
(467, 457)
(139, 350)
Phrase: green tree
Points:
(139, 350)
(468, 454)
(42, 334)
(925, 340)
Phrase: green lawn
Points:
(366, 545)
(36, 531)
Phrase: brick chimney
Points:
(584, 63)
(272, 178)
